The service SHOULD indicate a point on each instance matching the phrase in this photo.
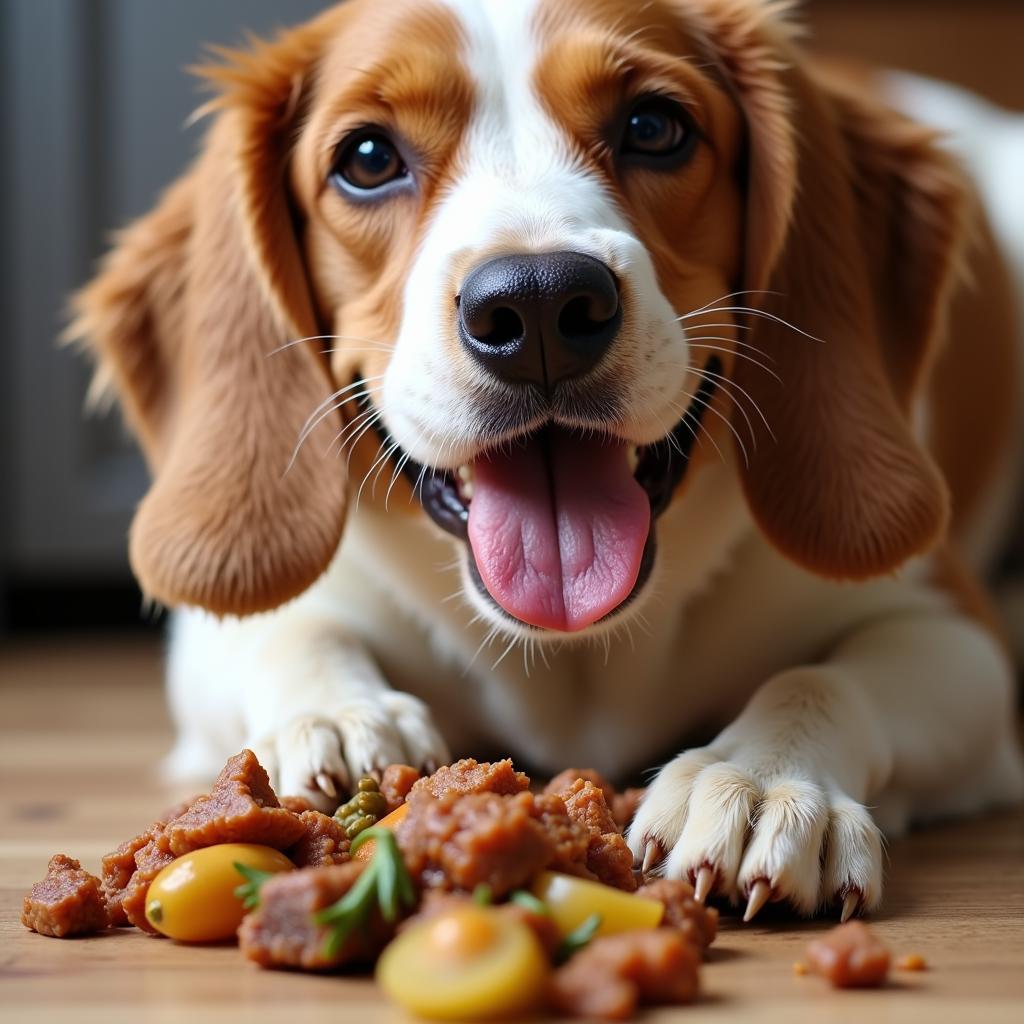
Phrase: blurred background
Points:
(93, 105)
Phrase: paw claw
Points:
(704, 883)
(654, 853)
(326, 785)
(850, 905)
(760, 894)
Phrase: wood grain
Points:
(82, 728)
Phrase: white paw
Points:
(321, 756)
(750, 836)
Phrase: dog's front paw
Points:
(748, 835)
(321, 756)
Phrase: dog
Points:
(597, 383)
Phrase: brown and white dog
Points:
(664, 383)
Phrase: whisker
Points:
(727, 383)
(710, 408)
(384, 345)
(317, 416)
(750, 311)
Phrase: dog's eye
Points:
(368, 162)
(658, 128)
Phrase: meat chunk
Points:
(283, 932)
(68, 901)
(296, 804)
(118, 868)
(615, 974)
(625, 805)
(324, 842)
(396, 782)
(241, 808)
(610, 860)
(459, 842)
(697, 922)
(564, 781)
(586, 803)
(150, 860)
(469, 776)
(850, 956)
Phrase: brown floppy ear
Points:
(855, 224)
(184, 318)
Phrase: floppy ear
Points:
(855, 223)
(184, 317)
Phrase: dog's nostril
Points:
(506, 327)
(577, 319)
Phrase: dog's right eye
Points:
(368, 163)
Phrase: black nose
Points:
(539, 319)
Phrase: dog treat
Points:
(587, 804)
(396, 782)
(697, 922)
(564, 781)
(470, 776)
(68, 901)
(295, 804)
(241, 808)
(461, 842)
(610, 861)
(283, 932)
(615, 974)
(118, 868)
(850, 956)
(324, 842)
(150, 860)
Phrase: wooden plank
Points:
(83, 726)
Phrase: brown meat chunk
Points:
(150, 860)
(324, 842)
(850, 956)
(241, 808)
(118, 868)
(615, 974)
(396, 782)
(698, 923)
(571, 841)
(564, 781)
(625, 805)
(296, 804)
(610, 860)
(68, 901)
(586, 804)
(460, 842)
(469, 776)
(283, 933)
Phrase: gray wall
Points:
(93, 108)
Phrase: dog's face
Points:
(533, 234)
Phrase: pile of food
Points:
(474, 895)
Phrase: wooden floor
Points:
(82, 728)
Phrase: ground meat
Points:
(625, 805)
(850, 956)
(459, 842)
(586, 803)
(150, 860)
(610, 860)
(564, 781)
(469, 776)
(118, 868)
(396, 782)
(614, 974)
(68, 901)
(283, 933)
(698, 923)
(296, 804)
(241, 808)
(324, 843)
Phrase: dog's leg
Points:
(299, 690)
(912, 713)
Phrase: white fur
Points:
(823, 700)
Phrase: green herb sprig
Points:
(384, 885)
(578, 938)
(249, 891)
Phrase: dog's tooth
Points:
(633, 457)
(465, 473)
(466, 490)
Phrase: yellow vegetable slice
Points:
(572, 900)
(193, 899)
(472, 963)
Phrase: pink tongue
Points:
(558, 527)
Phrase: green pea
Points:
(359, 825)
(367, 785)
(371, 803)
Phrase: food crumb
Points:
(912, 962)
(800, 968)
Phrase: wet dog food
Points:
(68, 901)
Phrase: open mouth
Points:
(560, 523)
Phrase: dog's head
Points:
(522, 259)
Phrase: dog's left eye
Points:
(368, 162)
(658, 128)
